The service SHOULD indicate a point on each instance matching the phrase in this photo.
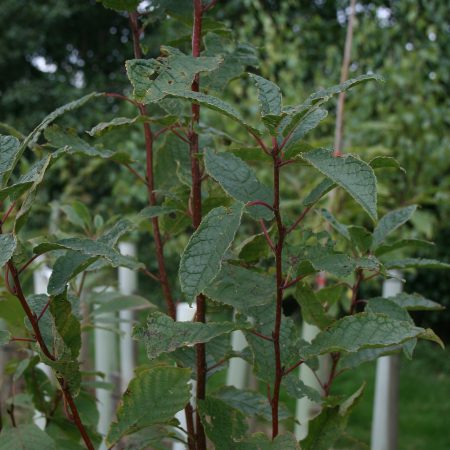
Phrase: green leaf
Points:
(121, 5)
(66, 268)
(402, 243)
(202, 258)
(165, 389)
(30, 196)
(322, 258)
(284, 441)
(254, 248)
(33, 137)
(241, 288)
(72, 144)
(108, 302)
(154, 79)
(390, 222)
(162, 335)
(248, 402)
(353, 360)
(416, 263)
(215, 104)
(312, 310)
(295, 388)
(360, 237)
(117, 122)
(325, 429)
(269, 96)
(349, 172)
(90, 248)
(224, 426)
(385, 162)
(325, 186)
(25, 437)
(66, 323)
(306, 124)
(8, 244)
(415, 302)
(239, 181)
(363, 330)
(5, 337)
(338, 226)
(9, 146)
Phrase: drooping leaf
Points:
(33, 137)
(224, 425)
(239, 181)
(363, 330)
(215, 104)
(26, 437)
(154, 79)
(327, 427)
(24, 210)
(8, 244)
(352, 174)
(117, 122)
(353, 360)
(162, 335)
(9, 146)
(390, 222)
(312, 310)
(202, 258)
(69, 142)
(155, 211)
(90, 248)
(153, 397)
(325, 186)
(415, 302)
(416, 263)
(66, 323)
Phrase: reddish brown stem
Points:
(43, 346)
(267, 338)
(136, 173)
(260, 203)
(286, 371)
(24, 267)
(196, 208)
(279, 289)
(266, 235)
(22, 339)
(292, 282)
(8, 212)
(45, 309)
(299, 219)
(121, 97)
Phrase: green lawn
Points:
(424, 410)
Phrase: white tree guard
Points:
(128, 282)
(385, 407)
(238, 369)
(185, 313)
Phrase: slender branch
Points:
(23, 339)
(260, 143)
(299, 219)
(260, 203)
(135, 173)
(44, 309)
(262, 336)
(266, 235)
(121, 97)
(196, 208)
(25, 266)
(289, 161)
(285, 372)
(292, 282)
(217, 364)
(338, 135)
(150, 275)
(8, 212)
(163, 278)
(179, 136)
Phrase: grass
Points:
(424, 402)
